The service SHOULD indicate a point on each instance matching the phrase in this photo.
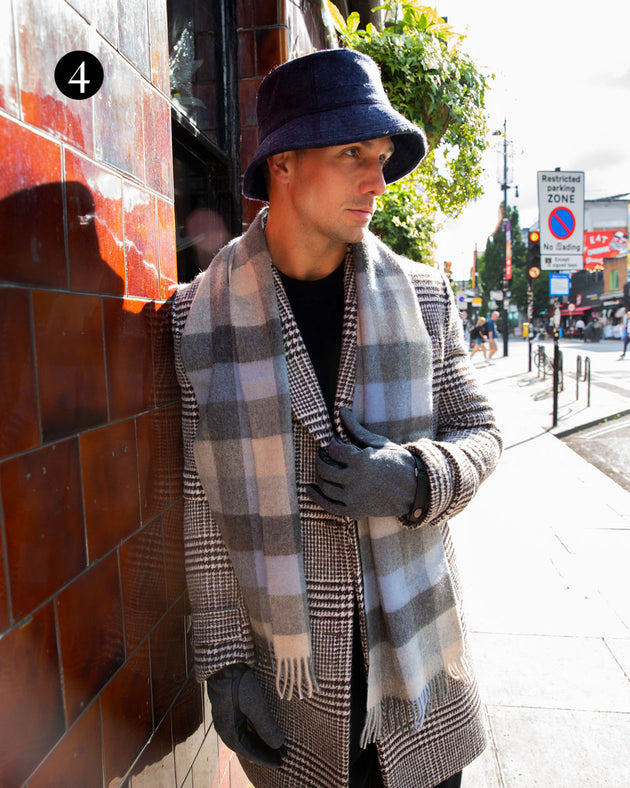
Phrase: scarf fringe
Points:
(460, 670)
(296, 674)
(397, 713)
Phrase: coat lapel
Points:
(307, 400)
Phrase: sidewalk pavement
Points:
(544, 551)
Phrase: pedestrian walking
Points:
(626, 334)
(492, 333)
(478, 337)
(331, 427)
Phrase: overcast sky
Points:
(562, 82)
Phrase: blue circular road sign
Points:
(561, 222)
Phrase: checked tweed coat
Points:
(465, 450)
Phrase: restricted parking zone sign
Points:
(561, 214)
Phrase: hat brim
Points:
(341, 126)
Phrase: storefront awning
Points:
(579, 310)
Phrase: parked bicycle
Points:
(544, 364)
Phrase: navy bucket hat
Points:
(331, 97)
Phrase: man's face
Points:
(333, 190)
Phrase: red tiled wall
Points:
(95, 668)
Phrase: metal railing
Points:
(545, 365)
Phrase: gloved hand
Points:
(242, 718)
(370, 477)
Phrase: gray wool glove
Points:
(242, 717)
(370, 477)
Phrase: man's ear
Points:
(280, 165)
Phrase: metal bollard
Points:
(583, 378)
(587, 377)
(556, 371)
(578, 374)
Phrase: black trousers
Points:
(365, 771)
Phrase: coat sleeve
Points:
(221, 632)
(467, 444)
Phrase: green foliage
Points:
(491, 265)
(399, 223)
(432, 82)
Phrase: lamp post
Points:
(508, 244)
(507, 272)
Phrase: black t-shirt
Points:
(318, 308)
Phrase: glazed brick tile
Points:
(19, 413)
(140, 242)
(158, 33)
(143, 582)
(41, 497)
(5, 619)
(248, 88)
(70, 362)
(133, 34)
(173, 528)
(95, 227)
(271, 49)
(77, 760)
(166, 385)
(159, 153)
(156, 765)
(153, 464)
(129, 354)
(250, 13)
(8, 75)
(104, 17)
(127, 715)
(246, 54)
(168, 660)
(90, 621)
(110, 485)
(245, 13)
(31, 199)
(46, 32)
(31, 705)
(166, 248)
(118, 114)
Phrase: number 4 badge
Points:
(79, 75)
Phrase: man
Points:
(579, 327)
(491, 332)
(331, 427)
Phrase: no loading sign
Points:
(561, 213)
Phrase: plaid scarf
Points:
(233, 350)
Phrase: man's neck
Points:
(296, 256)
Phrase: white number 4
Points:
(81, 81)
